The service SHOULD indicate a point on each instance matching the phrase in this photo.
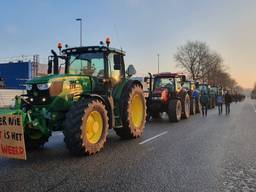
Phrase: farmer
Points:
(219, 102)
(228, 100)
(204, 99)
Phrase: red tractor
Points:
(166, 94)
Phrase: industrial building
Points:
(15, 71)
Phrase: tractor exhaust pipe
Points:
(150, 82)
(55, 62)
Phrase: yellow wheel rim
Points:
(94, 127)
(137, 110)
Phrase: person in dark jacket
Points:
(204, 100)
(219, 102)
(228, 100)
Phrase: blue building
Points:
(15, 74)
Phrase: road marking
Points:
(150, 139)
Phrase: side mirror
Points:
(130, 71)
(49, 71)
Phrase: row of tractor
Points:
(96, 93)
(175, 95)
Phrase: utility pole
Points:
(158, 62)
(81, 31)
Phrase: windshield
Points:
(87, 64)
(164, 82)
(203, 88)
(186, 85)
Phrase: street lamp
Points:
(158, 62)
(81, 28)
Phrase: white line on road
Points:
(150, 139)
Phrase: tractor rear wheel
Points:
(174, 110)
(198, 106)
(186, 106)
(133, 108)
(86, 127)
(193, 107)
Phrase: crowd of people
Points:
(221, 99)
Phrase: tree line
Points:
(205, 65)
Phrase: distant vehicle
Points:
(167, 95)
(195, 105)
(145, 83)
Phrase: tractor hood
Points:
(61, 84)
(51, 78)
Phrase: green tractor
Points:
(93, 94)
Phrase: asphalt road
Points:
(217, 153)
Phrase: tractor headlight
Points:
(28, 87)
(44, 86)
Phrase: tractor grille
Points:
(38, 97)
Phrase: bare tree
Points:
(191, 57)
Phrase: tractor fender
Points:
(108, 102)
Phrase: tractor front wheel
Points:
(133, 107)
(86, 127)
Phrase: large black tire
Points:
(35, 143)
(185, 106)
(133, 127)
(80, 121)
(192, 106)
(174, 110)
(198, 106)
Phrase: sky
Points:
(142, 28)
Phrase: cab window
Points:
(87, 64)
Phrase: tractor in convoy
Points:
(203, 87)
(92, 95)
(166, 94)
(195, 105)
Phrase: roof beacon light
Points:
(59, 46)
(108, 41)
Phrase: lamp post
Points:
(158, 62)
(81, 28)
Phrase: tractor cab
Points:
(101, 63)
(167, 81)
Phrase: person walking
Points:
(219, 102)
(204, 100)
(228, 100)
